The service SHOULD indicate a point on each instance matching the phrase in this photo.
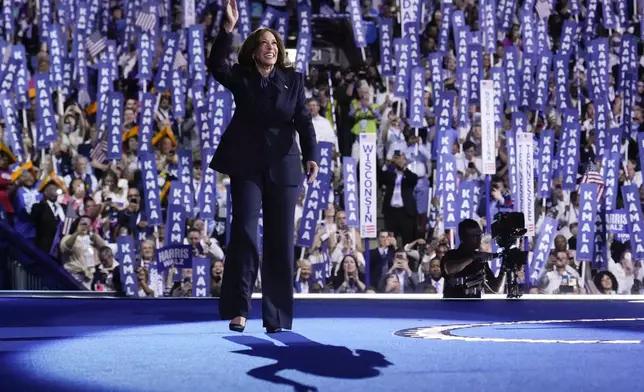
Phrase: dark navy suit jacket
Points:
(260, 135)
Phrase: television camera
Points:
(507, 229)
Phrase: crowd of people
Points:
(74, 203)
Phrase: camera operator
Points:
(466, 269)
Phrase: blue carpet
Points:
(65, 345)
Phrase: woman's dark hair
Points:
(338, 279)
(598, 281)
(112, 173)
(121, 226)
(251, 43)
(72, 188)
(617, 249)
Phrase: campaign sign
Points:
(633, 207)
(316, 198)
(488, 128)
(318, 274)
(386, 51)
(176, 216)
(510, 145)
(147, 164)
(178, 255)
(617, 224)
(304, 39)
(178, 91)
(115, 126)
(450, 194)
(465, 200)
(545, 168)
(125, 255)
(525, 158)
(542, 247)
(570, 152)
(368, 188)
(45, 121)
(200, 277)
(351, 203)
(610, 172)
(197, 61)
(146, 122)
(586, 227)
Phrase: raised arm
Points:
(219, 69)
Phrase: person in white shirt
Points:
(299, 207)
(302, 276)
(326, 228)
(620, 264)
(468, 163)
(562, 277)
(196, 182)
(390, 134)
(203, 246)
(606, 283)
(323, 129)
(635, 177)
(561, 203)
(80, 171)
(418, 157)
(163, 111)
(386, 99)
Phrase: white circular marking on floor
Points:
(444, 332)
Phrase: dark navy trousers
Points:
(249, 195)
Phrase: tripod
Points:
(511, 268)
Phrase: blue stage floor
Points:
(116, 345)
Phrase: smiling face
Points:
(147, 250)
(267, 50)
(218, 268)
(305, 272)
(129, 116)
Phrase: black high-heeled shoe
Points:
(237, 327)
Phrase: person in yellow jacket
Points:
(364, 113)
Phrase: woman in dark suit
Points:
(259, 154)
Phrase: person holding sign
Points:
(259, 154)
